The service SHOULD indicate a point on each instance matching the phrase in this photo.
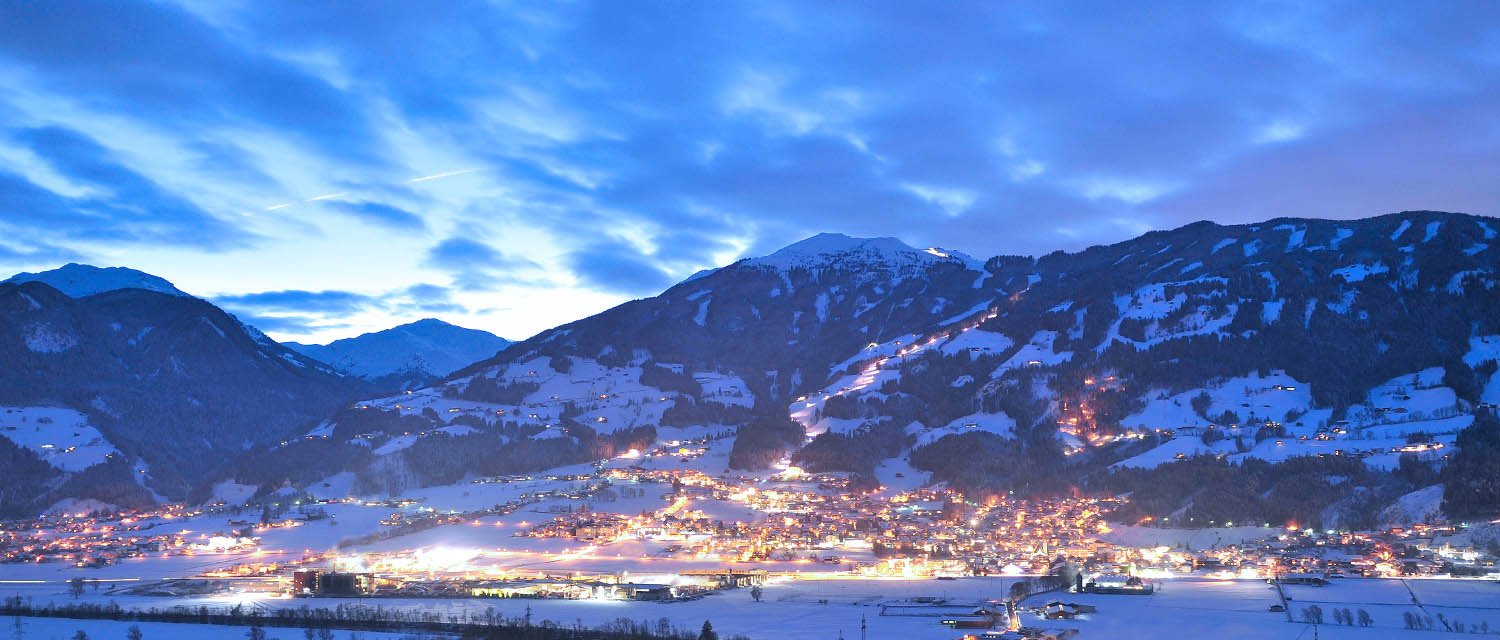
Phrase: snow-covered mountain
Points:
(1292, 369)
(826, 250)
(1120, 367)
(409, 355)
(168, 386)
(79, 280)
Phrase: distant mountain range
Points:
(1260, 372)
(410, 355)
(171, 387)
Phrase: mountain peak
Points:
(415, 352)
(825, 248)
(82, 280)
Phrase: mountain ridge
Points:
(411, 354)
(79, 280)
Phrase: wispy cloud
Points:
(612, 148)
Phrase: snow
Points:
(1412, 397)
(1295, 236)
(61, 437)
(818, 608)
(1191, 267)
(614, 394)
(1251, 248)
(1414, 403)
(898, 347)
(1186, 446)
(971, 312)
(976, 342)
(1038, 352)
(724, 389)
(827, 249)
(42, 338)
(1489, 232)
(61, 628)
(701, 317)
(1432, 230)
(1482, 348)
(1339, 236)
(232, 493)
(1475, 249)
(1222, 243)
(335, 487)
(80, 280)
(1422, 505)
(427, 346)
(1270, 311)
(1405, 224)
(1264, 401)
(323, 430)
(1151, 302)
(1358, 272)
(211, 325)
(997, 423)
(77, 506)
(395, 444)
(1343, 304)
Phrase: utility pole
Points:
(862, 627)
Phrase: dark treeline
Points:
(486, 625)
(765, 439)
(1203, 491)
(1471, 481)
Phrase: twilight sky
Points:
(325, 169)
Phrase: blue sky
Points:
(326, 169)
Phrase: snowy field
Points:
(1240, 609)
(823, 608)
(65, 629)
(61, 437)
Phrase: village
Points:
(626, 531)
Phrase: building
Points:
(318, 583)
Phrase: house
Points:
(674, 368)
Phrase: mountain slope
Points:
(1291, 366)
(781, 320)
(409, 355)
(168, 380)
(1320, 348)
